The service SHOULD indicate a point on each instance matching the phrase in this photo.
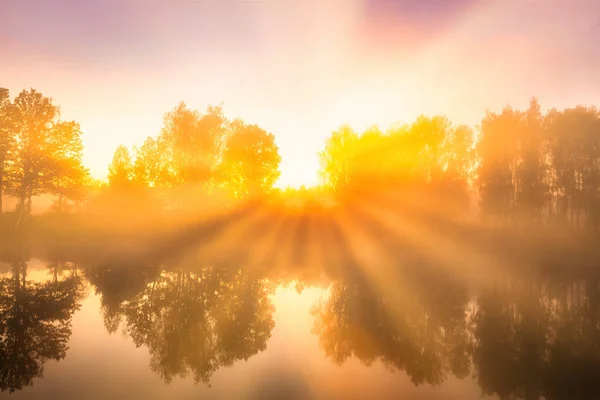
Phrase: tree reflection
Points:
(35, 324)
(425, 336)
(192, 321)
(539, 339)
(520, 338)
(117, 283)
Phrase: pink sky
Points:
(299, 68)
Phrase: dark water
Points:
(142, 332)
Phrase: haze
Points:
(300, 200)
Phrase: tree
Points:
(336, 158)
(6, 138)
(34, 118)
(531, 191)
(456, 163)
(429, 154)
(368, 160)
(70, 176)
(150, 167)
(190, 145)
(120, 170)
(574, 150)
(497, 154)
(193, 142)
(250, 161)
(428, 136)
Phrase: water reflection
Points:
(525, 338)
(423, 333)
(516, 335)
(35, 323)
(192, 322)
(540, 337)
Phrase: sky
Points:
(297, 68)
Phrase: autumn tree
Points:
(251, 160)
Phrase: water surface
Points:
(129, 332)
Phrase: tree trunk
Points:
(1, 185)
(21, 208)
(28, 205)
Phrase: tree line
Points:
(200, 153)
(196, 152)
(523, 166)
(517, 166)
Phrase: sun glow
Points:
(298, 175)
